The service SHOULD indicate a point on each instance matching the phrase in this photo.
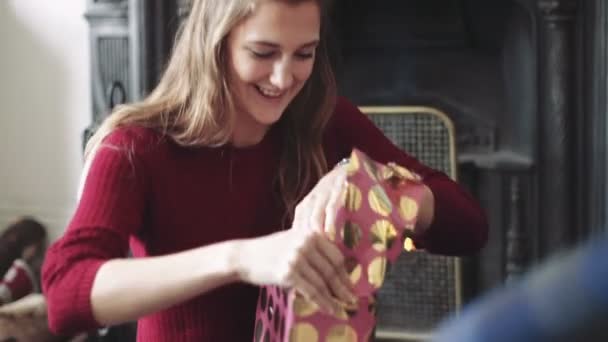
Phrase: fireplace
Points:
(448, 54)
(476, 62)
(524, 81)
(508, 74)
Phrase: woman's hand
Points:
(302, 257)
(318, 209)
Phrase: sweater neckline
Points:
(268, 139)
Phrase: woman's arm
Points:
(85, 291)
(126, 289)
(457, 225)
(88, 282)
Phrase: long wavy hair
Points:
(194, 106)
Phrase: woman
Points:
(203, 177)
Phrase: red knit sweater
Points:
(155, 197)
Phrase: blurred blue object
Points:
(563, 299)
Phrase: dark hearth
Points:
(453, 55)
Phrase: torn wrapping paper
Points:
(378, 214)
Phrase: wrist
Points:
(236, 260)
(218, 262)
(252, 258)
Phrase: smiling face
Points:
(271, 56)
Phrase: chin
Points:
(267, 118)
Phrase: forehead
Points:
(281, 22)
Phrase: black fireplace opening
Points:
(473, 59)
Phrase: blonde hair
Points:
(193, 105)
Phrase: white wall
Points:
(44, 107)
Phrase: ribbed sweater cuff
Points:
(442, 206)
(82, 306)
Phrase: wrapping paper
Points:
(378, 213)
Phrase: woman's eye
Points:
(305, 55)
(271, 54)
(262, 55)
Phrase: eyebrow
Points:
(275, 45)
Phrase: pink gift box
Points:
(378, 213)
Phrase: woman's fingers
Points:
(313, 288)
(324, 200)
(335, 270)
(319, 271)
(330, 260)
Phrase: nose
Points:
(282, 75)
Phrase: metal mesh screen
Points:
(420, 289)
(114, 62)
(422, 135)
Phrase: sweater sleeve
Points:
(110, 209)
(459, 225)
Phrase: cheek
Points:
(303, 71)
(248, 70)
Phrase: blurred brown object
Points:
(24, 238)
(25, 320)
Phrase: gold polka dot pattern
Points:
(379, 201)
(352, 198)
(380, 204)
(351, 234)
(383, 234)
(354, 269)
(372, 170)
(341, 333)
(353, 164)
(394, 170)
(376, 272)
(303, 332)
(302, 307)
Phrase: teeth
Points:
(269, 92)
